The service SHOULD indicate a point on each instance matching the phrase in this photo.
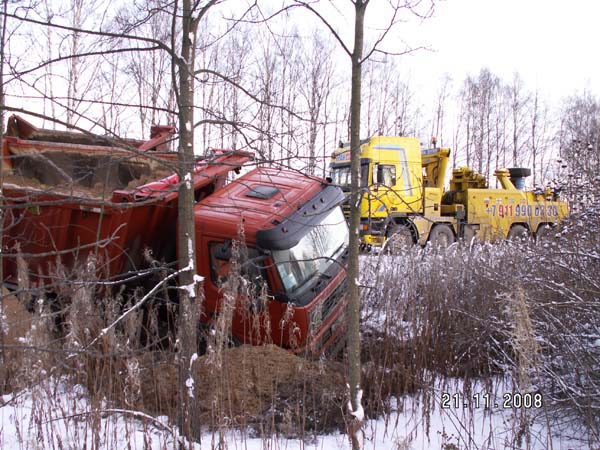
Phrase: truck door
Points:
(382, 189)
(223, 261)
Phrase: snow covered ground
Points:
(56, 415)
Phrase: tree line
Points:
(268, 82)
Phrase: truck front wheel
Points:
(544, 233)
(518, 232)
(399, 239)
(441, 236)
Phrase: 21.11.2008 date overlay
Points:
(509, 400)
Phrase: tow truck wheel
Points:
(399, 239)
(441, 236)
(544, 233)
(518, 232)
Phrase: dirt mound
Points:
(265, 388)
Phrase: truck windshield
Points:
(340, 175)
(315, 252)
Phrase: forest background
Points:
(278, 85)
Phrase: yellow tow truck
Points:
(403, 200)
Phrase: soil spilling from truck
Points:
(80, 175)
(77, 164)
(256, 387)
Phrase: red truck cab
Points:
(296, 239)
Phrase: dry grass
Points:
(16, 324)
(263, 389)
(529, 311)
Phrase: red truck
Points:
(67, 196)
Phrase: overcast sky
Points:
(553, 44)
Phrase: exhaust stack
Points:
(518, 175)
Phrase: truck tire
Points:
(544, 233)
(441, 236)
(399, 239)
(518, 232)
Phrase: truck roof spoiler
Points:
(289, 232)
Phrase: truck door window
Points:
(251, 266)
(405, 174)
(384, 174)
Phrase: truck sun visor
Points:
(289, 232)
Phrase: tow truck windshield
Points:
(340, 175)
(314, 253)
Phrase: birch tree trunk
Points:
(354, 364)
(188, 309)
(73, 73)
(2, 114)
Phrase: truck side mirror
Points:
(223, 251)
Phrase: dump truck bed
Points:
(68, 196)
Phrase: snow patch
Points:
(189, 384)
(360, 412)
(190, 288)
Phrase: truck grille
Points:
(324, 309)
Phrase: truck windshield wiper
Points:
(319, 277)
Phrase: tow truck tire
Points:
(544, 233)
(441, 236)
(399, 239)
(518, 232)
